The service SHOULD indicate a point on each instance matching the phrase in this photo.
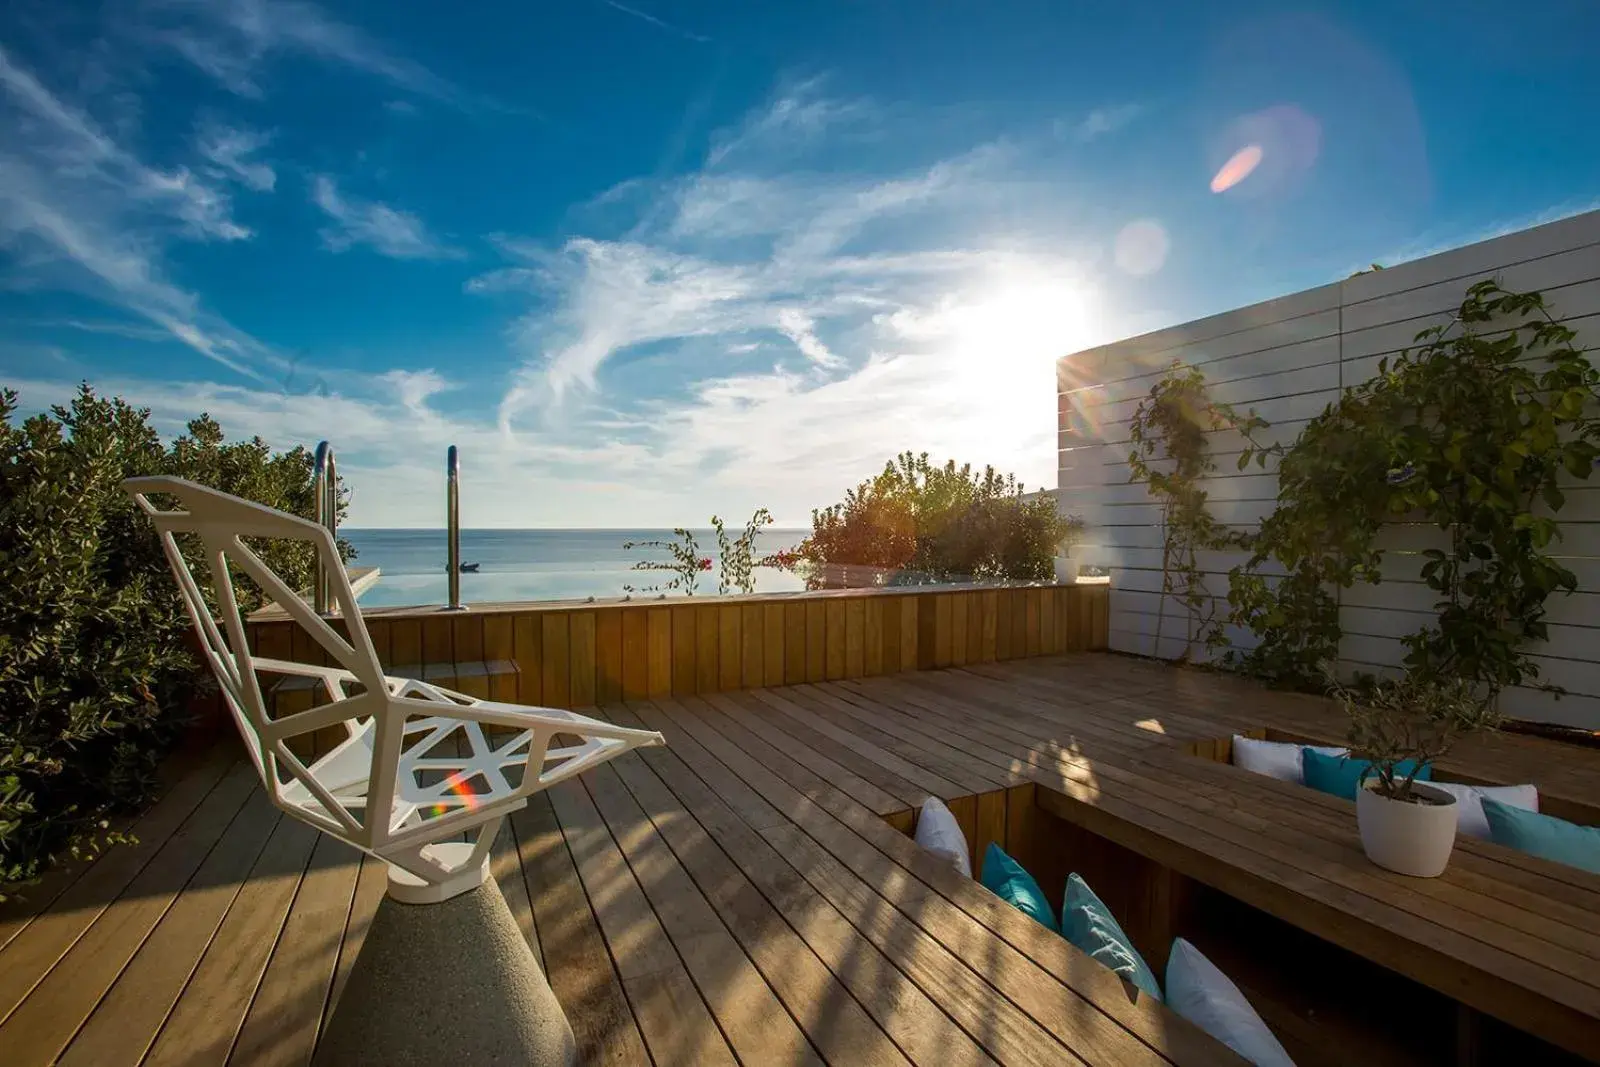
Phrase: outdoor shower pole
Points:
(325, 489)
(452, 467)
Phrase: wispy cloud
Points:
(131, 331)
(231, 40)
(1099, 122)
(893, 310)
(228, 149)
(387, 230)
(90, 214)
(798, 327)
(391, 441)
(793, 121)
(687, 35)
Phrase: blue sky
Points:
(645, 261)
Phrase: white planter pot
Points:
(1413, 839)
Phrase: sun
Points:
(1008, 335)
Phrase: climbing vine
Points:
(1472, 433)
(1171, 432)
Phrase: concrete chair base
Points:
(447, 983)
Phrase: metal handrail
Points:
(325, 488)
(452, 469)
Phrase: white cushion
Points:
(1276, 759)
(1470, 819)
(1202, 994)
(938, 832)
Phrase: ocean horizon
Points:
(538, 564)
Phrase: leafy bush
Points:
(96, 673)
(1413, 718)
(916, 522)
(736, 556)
(1475, 432)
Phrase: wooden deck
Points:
(748, 895)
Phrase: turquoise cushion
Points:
(1543, 835)
(1341, 775)
(1089, 924)
(1005, 878)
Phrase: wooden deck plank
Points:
(683, 649)
(737, 660)
(527, 642)
(27, 901)
(203, 1024)
(38, 941)
(750, 666)
(908, 794)
(505, 863)
(286, 1015)
(747, 1008)
(774, 642)
(675, 1022)
(934, 953)
(371, 883)
(658, 652)
(669, 792)
(608, 656)
(635, 654)
(140, 952)
(556, 660)
(582, 662)
(746, 801)
(816, 646)
(872, 637)
(586, 982)
(127, 1018)
(947, 761)
(769, 820)
(879, 755)
(835, 637)
(42, 1024)
(880, 855)
(838, 775)
(708, 649)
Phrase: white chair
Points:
(420, 767)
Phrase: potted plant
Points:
(1401, 727)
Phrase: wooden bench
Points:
(1505, 934)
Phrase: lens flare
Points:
(1238, 167)
(1141, 247)
(465, 798)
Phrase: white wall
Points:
(1287, 359)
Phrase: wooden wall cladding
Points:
(580, 655)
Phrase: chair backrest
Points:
(222, 522)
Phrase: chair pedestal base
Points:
(409, 889)
(447, 983)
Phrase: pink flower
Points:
(705, 563)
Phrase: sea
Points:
(539, 564)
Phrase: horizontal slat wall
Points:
(1288, 359)
(577, 655)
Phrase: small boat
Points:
(466, 568)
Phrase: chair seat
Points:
(344, 772)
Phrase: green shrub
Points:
(916, 523)
(96, 673)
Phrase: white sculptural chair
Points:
(420, 766)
